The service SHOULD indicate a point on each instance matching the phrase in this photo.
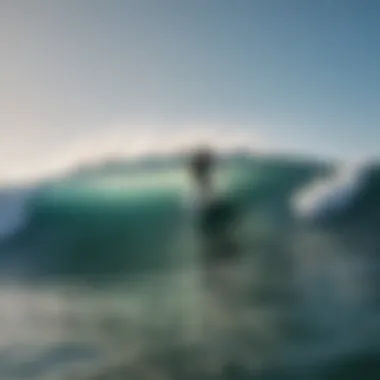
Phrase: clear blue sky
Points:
(302, 74)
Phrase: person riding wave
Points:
(216, 214)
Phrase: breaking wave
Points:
(101, 267)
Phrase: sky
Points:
(109, 75)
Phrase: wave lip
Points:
(329, 196)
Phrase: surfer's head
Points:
(202, 162)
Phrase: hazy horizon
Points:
(92, 78)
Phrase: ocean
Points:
(102, 275)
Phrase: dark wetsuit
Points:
(201, 165)
(217, 217)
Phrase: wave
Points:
(327, 196)
(123, 224)
(72, 221)
(348, 192)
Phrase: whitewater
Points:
(102, 275)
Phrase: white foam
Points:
(330, 195)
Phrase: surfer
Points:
(216, 214)
(201, 166)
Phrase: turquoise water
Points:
(106, 278)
